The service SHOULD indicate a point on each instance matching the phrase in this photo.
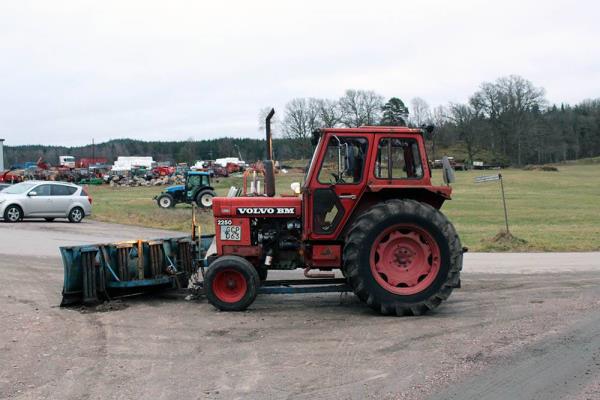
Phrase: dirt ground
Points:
(521, 335)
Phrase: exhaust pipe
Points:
(268, 163)
(269, 138)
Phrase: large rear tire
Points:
(231, 283)
(402, 257)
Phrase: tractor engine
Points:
(280, 241)
(265, 231)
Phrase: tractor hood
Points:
(176, 188)
(269, 207)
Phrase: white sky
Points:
(75, 70)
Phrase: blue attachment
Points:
(142, 282)
(93, 273)
(198, 173)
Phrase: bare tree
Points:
(360, 107)
(301, 118)
(421, 114)
(463, 117)
(439, 119)
(330, 112)
(507, 103)
(439, 116)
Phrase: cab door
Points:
(191, 186)
(337, 184)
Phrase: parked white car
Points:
(43, 199)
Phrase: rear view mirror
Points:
(32, 193)
(448, 171)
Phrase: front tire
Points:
(204, 199)
(13, 214)
(402, 257)
(165, 201)
(76, 215)
(231, 283)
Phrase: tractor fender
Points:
(370, 198)
(203, 189)
(206, 188)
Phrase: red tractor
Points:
(367, 208)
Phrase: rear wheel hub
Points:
(405, 259)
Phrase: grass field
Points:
(549, 211)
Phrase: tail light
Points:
(85, 193)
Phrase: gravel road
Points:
(523, 326)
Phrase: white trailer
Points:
(127, 163)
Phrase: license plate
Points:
(231, 232)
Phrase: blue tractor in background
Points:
(197, 188)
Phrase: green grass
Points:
(548, 211)
(135, 206)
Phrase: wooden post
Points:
(140, 260)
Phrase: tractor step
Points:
(300, 286)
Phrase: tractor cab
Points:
(194, 182)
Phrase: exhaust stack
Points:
(269, 138)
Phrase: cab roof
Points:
(376, 129)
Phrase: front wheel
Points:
(231, 283)
(403, 257)
(165, 201)
(13, 214)
(76, 215)
(205, 198)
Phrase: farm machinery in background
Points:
(197, 188)
(367, 209)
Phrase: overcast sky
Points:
(75, 70)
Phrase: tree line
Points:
(187, 151)
(508, 121)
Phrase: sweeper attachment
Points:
(99, 272)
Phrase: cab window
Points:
(193, 180)
(344, 160)
(398, 159)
